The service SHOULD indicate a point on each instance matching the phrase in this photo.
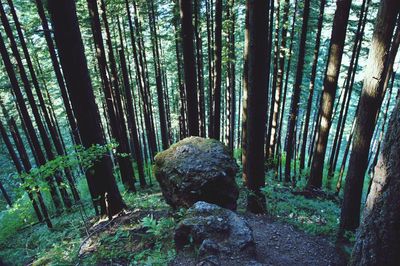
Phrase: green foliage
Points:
(319, 217)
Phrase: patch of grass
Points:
(318, 217)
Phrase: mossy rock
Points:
(197, 169)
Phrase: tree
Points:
(276, 101)
(189, 67)
(218, 70)
(312, 83)
(256, 44)
(370, 102)
(294, 106)
(72, 57)
(378, 240)
(328, 95)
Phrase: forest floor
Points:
(296, 231)
(278, 243)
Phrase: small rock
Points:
(215, 232)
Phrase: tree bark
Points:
(370, 102)
(257, 44)
(72, 57)
(189, 67)
(328, 95)
(378, 240)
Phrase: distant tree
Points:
(312, 83)
(294, 106)
(218, 70)
(72, 57)
(369, 106)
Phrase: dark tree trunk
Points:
(132, 117)
(125, 164)
(378, 240)
(230, 88)
(294, 108)
(328, 95)
(199, 64)
(72, 57)
(57, 71)
(312, 84)
(113, 107)
(257, 44)
(189, 67)
(210, 52)
(370, 102)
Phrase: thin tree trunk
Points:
(294, 108)
(312, 84)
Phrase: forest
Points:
(199, 132)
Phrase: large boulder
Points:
(197, 169)
(216, 233)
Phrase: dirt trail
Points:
(280, 244)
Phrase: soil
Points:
(278, 243)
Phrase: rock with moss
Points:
(197, 169)
(216, 234)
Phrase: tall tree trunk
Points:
(199, 64)
(112, 106)
(348, 90)
(210, 52)
(378, 240)
(278, 150)
(294, 108)
(276, 101)
(370, 102)
(268, 150)
(217, 70)
(230, 88)
(57, 71)
(312, 84)
(257, 44)
(328, 95)
(189, 67)
(132, 117)
(72, 57)
(158, 72)
(125, 164)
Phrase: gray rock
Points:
(197, 169)
(217, 233)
